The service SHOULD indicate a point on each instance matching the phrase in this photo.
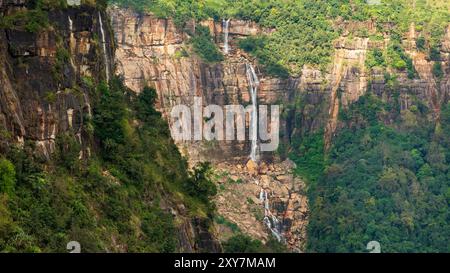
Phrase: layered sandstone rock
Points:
(47, 80)
(43, 94)
(239, 201)
(153, 52)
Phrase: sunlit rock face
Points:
(150, 53)
(252, 197)
(47, 88)
(153, 52)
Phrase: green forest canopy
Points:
(305, 29)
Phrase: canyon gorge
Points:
(259, 194)
(146, 54)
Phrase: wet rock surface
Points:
(239, 201)
(148, 53)
(47, 80)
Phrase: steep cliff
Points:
(148, 50)
(154, 52)
(368, 130)
(148, 55)
(54, 61)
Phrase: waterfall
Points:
(105, 54)
(261, 195)
(270, 220)
(225, 26)
(253, 86)
(70, 24)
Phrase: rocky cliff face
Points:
(434, 91)
(47, 86)
(43, 92)
(324, 92)
(242, 201)
(150, 52)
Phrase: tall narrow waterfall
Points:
(270, 220)
(253, 82)
(70, 24)
(225, 26)
(105, 54)
(71, 41)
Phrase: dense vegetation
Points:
(385, 178)
(241, 243)
(383, 182)
(203, 45)
(305, 30)
(36, 15)
(117, 200)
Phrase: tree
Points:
(420, 43)
(437, 70)
(200, 184)
(242, 244)
(145, 104)
(7, 176)
(110, 117)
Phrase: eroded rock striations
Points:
(41, 75)
(152, 51)
(47, 80)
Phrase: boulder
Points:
(252, 167)
(285, 178)
(263, 168)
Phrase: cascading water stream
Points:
(105, 55)
(253, 86)
(71, 40)
(70, 24)
(225, 26)
(270, 220)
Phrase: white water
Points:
(70, 24)
(71, 40)
(261, 195)
(270, 220)
(225, 25)
(253, 86)
(105, 54)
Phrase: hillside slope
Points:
(359, 84)
(86, 153)
(82, 160)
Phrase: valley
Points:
(87, 145)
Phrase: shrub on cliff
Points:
(242, 244)
(28, 20)
(204, 46)
(257, 46)
(200, 184)
(7, 176)
(437, 70)
(375, 58)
